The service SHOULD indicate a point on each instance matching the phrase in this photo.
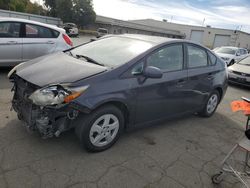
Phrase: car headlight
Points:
(230, 70)
(55, 94)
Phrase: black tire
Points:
(205, 112)
(85, 122)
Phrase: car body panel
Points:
(70, 69)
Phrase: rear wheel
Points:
(99, 130)
(211, 104)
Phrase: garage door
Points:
(221, 40)
(197, 36)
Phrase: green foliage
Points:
(78, 11)
(22, 6)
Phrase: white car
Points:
(71, 29)
(231, 54)
(22, 40)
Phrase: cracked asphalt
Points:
(181, 153)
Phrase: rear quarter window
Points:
(36, 31)
(212, 59)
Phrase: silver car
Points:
(239, 73)
(22, 40)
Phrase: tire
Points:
(211, 104)
(98, 130)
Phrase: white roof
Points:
(4, 19)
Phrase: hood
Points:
(57, 68)
(240, 68)
(225, 55)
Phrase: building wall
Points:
(238, 38)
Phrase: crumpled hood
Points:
(57, 68)
(225, 55)
(240, 68)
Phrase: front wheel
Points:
(211, 104)
(100, 129)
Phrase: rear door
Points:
(38, 41)
(10, 43)
(201, 72)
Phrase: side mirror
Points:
(238, 54)
(152, 72)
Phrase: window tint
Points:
(197, 57)
(35, 31)
(138, 69)
(169, 58)
(212, 58)
(9, 30)
(242, 52)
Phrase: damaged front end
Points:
(47, 110)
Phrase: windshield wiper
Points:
(88, 59)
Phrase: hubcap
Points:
(212, 103)
(104, 130)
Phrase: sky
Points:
(228, 14)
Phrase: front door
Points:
(163, 97)
(10, 43)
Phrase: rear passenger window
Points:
(35, 31)
(212, 58)
(197, 57)
(169, 58)
(9, 30)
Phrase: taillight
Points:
(67, 40)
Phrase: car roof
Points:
(151, 39)
(4, 19)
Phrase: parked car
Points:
(101, 32)
(117, 83)
(239, 73)
(231, 54)
(71, 29)
(22, 40)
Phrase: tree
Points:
(4, 4)
(78, 11)
(83, 13)
(35, 8)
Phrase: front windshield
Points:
(113, 51)
(245, 61)
(226, 51)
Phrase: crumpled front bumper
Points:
(48, 121)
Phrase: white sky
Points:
(228, 14)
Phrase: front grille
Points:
(241, 74)
(21, 104)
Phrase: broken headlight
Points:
(55, 94)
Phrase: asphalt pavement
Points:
(184, 152)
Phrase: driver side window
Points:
(169, 58)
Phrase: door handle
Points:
(210, 76)
(12, 42)
(180, 83)
(50, 42)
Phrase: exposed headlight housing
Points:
(55, 94)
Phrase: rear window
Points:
(9, 30)
(113, 51)
(35, 31)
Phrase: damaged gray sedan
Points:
(115, 83)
